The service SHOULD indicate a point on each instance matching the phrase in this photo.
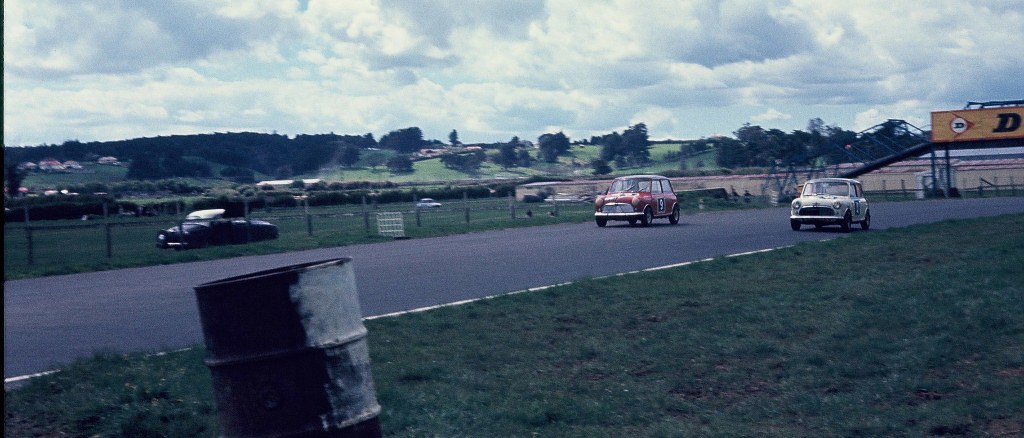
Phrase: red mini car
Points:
(637, 198)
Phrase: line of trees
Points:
(244, 155)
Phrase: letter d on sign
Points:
(1008, 122)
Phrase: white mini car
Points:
(830, 201)
(427, 203)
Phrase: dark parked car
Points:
(209, 227)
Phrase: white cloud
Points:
(493, 69)
(769, 115)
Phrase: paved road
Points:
(54, 320)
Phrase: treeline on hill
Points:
(241, 153)
(241, 156)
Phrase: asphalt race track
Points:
(53, 320)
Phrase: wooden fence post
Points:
(366, 215)
(31, 249)
(110, 241)
(309, 218)
(465, 201)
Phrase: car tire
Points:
(866, 223)
(795, 225)
(847, 222)
(674, 218)
(647, 218)
(601, 221)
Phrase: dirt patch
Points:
(1004, 428)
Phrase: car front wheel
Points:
(795, 225)
(847, 222)
(647, 218)
(674, 219)
(601, 221)
(866, 223)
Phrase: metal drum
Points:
(287, 352)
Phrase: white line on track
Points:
(9, 380)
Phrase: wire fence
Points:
(55, 246)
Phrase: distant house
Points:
(287, 182)
(430, 153)
(51, 164)
(28, 165)
(109, 160)
(71, 164)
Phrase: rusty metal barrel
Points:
(287, 352)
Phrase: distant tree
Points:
(145, 167)
(468, 163)
(238, 174)
(283, 172)
(400, 164)
(507, 156)
(730, 153)
(375, 159)
(349, 155)
(553, 145)
(453, 137)
(836, 139)
(525, 159)
(13, 176)
(403, 140)
(611, 146)
(313, 156)
(600, 166)
(636, 144)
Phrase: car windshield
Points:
(630, 185)
(834, 188)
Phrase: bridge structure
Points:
(995, 124)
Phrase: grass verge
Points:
(904, 332)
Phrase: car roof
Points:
(212, 213)
(846, 180)
(642, 176)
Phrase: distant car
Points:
(637, 199)
(830, 201)
(427, 203)
(568, 197)
(203, 228)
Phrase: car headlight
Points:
(796, 205)
(836, 205)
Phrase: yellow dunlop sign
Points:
(977, 124)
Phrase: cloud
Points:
(771, 114)
(493, 69)
(57, 39)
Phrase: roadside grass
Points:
(903, 332)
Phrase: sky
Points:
(99, 70)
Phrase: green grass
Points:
(433, 170)
(903, 332)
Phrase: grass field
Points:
(903, 332)
(431, 170)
